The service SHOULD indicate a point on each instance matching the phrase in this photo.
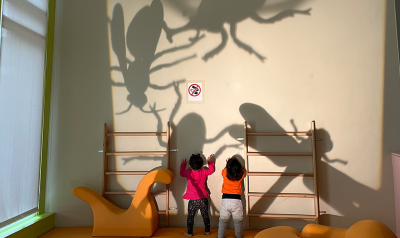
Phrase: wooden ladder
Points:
(297, 195)
(107, 153)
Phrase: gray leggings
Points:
(234, 208)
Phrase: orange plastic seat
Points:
(361, 229)
(369, 229)
(320, 231)
(141, 218)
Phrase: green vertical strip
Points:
(46, 104)
(1, 19)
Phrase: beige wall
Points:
(334, 66)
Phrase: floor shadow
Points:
(212, 15)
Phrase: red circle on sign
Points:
(194, 90)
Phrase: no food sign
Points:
(195, 92)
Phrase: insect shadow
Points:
(259, 120)
(142, 38)
(191, 128)
(160, 160)
(213, 14)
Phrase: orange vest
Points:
(232, 187)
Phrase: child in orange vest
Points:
(231, 204)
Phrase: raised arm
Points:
(244, 173)
(211, 164)
(183, 170)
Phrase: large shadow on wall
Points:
(211, 16)
(141, 39)
(341, 192)
(191, 128)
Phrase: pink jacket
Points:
(196, 186)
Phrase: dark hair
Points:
(196, 162)
(234, 169)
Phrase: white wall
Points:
(334, 66)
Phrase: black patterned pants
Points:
(194, 206)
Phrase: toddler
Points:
(231, 204)
(196, 191)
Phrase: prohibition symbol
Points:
(194, 90)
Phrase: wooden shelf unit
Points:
(106, 154)
(312, 154)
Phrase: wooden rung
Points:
(127, 173)
(107, 153)
(132, 193)
(279, 134)
(296, 195)
(279, 154)
(280, 174)
(283, 216)
(137, 134)
(138, 153)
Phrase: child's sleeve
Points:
(244, 173)
(183, 172)
(211, 168)
(223, 173)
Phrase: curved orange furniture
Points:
(369, 229)
(319, 231)
(278, 232)
(141, 218)
(361, 229)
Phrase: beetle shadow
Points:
(212, 15)
(332, 183)
(141, 39)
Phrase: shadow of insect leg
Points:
(157, 87)
(193, 41)
(224, 36)
(171, 32)
(243, 45)
(158, 67)
(280, 16)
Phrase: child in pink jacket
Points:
(196, 191)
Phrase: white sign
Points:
(195, 92)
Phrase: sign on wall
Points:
(195, 92)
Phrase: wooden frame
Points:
(295, 195)
(107, 153)
(246, 183)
